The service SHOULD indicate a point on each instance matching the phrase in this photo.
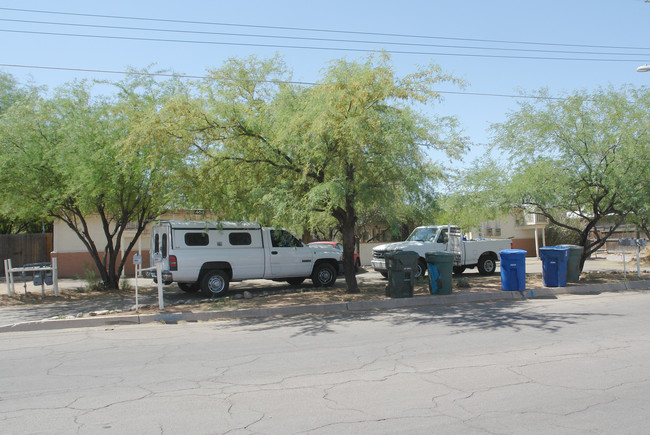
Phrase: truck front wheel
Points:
(324, 275)
(215, 282)
(421, 269)
(487, 264)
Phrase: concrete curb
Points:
(357, 306)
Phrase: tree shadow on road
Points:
(463, 318)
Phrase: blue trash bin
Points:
(513, 269)
(554, 262)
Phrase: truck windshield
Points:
(422, 235)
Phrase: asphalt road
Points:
(576, 364)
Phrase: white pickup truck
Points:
(483, 253)
(207, 256)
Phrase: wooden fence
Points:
(24, 249)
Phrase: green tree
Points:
(65, 157)
(11, 92)
(473, 195)
(353, 141)
(573, 157)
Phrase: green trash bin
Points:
(401, 267)
(573, 263)
(440, 265)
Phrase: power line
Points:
(301, 47)
(183, 76)
(301, 38)
(305, 29)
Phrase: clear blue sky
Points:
(530, 34)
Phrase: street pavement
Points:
(571, 365)
(32, 317)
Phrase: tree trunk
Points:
(348, 259)
(347, 220)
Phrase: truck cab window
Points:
(156, 244)
(443, 238)
(284, 239)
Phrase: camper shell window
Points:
(197, 239)
(240, 239)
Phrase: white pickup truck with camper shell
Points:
(207, 256)
(481, 253)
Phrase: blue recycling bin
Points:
(554, 262)
(513, 269)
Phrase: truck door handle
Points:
(274, 252)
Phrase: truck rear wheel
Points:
(215, 282)
(324, 275)
(487, 264)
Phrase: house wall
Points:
(74, 260)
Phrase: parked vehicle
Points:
(207, 256)
(339, 247)
(482, 253)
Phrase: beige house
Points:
(527, 231)
(74, 260)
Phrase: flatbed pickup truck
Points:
(482, 253)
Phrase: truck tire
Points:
(487, 264)
(215, 282)
(189, 287)
(323, 275)
(421, 269)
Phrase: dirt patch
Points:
(275, 295)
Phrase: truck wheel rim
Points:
(489, 266)
(324, 276)
(216, 284)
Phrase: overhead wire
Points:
(309, 38)
(307, 29)
(301, 38)
(185, 76)
(358, 50)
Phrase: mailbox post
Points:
(137, 263)
(639, 243)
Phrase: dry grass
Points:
(279, 296)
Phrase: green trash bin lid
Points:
(437, 257)
(401, 258)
